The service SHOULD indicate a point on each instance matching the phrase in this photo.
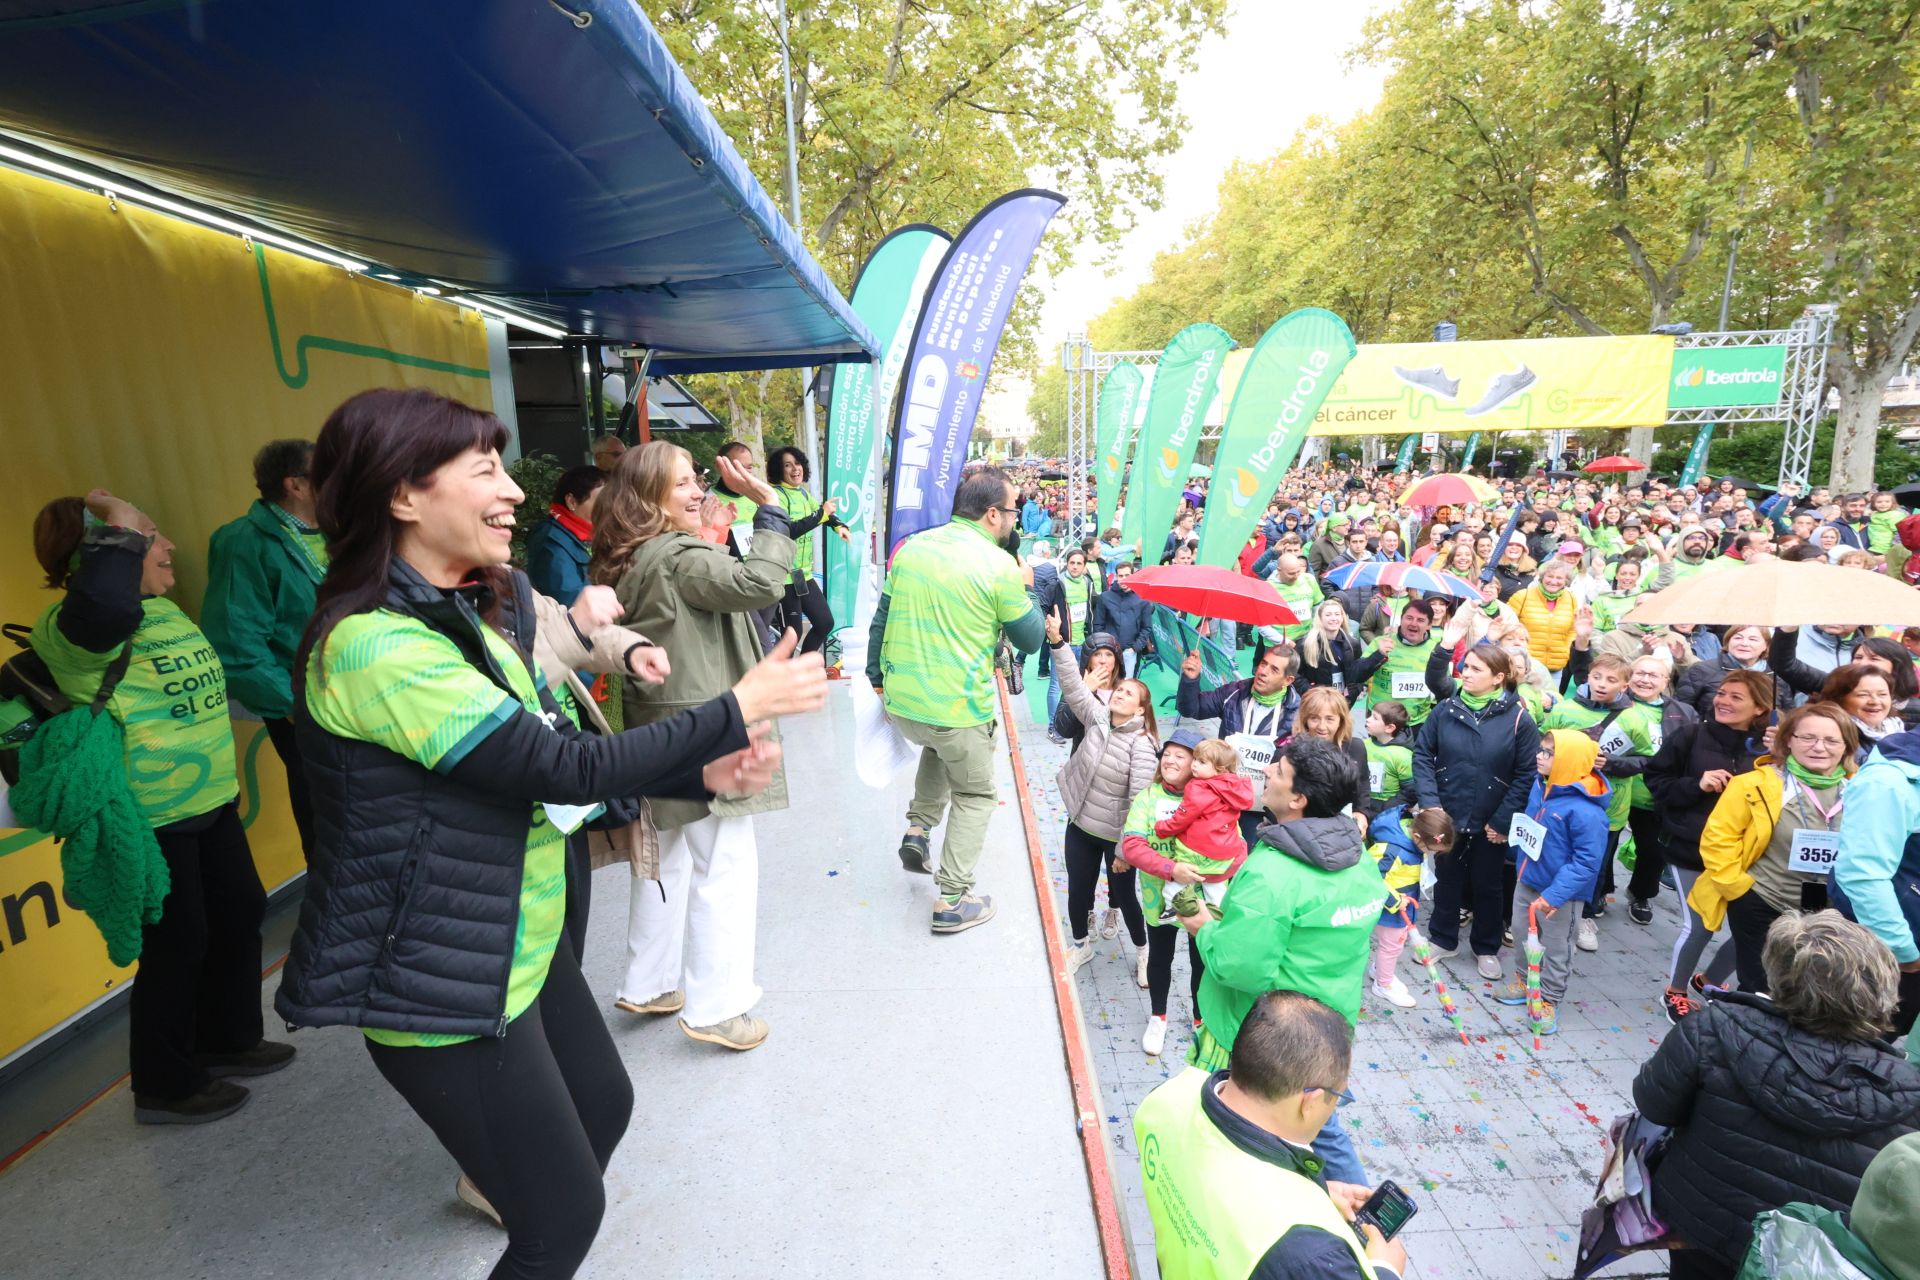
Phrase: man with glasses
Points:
(1232, 1184)
(262, 573)
(950, 595)
(1298, 916)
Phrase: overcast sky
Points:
(1249, 93)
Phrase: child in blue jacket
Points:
(1569, 806)
(1401, 841)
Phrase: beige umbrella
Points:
(1778, 592)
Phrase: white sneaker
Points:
(1077, 956)
(1140, 969)
(1155, 1037)
(1396, 995)
(1586, 935)
(1489, 967)
(1110, 923)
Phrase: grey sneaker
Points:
(219, 1099)
(741, 1032)
(915, 855)
(1489, 967)
(666, 1002)
(1433, 379)
(957, 917)
(1504, 387)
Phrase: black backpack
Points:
(29, 695)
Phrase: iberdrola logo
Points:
(1691, 377)
(1169, 459)
(1245, 483)
(1112, 463)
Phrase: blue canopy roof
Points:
(550, 155)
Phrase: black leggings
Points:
(532, 1117)
(1649, 853)
(198, 989)
(1479, 873)
(1749, 916)
(1085, 856)
(299, 799)
(1161, 940)
(804, 601)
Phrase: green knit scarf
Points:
(1478, 701)
(73, 784)
(1817, 781)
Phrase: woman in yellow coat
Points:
(1547, 609)
(1773, 834)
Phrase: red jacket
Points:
(1208, 819)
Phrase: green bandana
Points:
(1817, 781)
(1552, 595)
(1478, 701)
(1273, 699)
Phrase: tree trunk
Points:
(1854, 437)
(1640, 444)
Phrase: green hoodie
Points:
(1299, 916)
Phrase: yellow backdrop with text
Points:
(153, 357)
(1532, 384)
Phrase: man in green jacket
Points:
(262, 571)
(1298, 916)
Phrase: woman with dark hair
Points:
(1864, 692)
(803, 602)
(1687, 776)
(559, 546)
(195, 1015)
(690, 939)
(1878, 651)
(445, 778)
(1742, 648)
(1474, 757)
(1777, 1098)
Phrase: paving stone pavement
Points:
(1499, 1145)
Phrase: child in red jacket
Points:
(1205, 828)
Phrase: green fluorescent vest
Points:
(1217, 1210)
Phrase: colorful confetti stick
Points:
(1536, 1007)
(1424, 954)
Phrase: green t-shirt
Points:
(393, 681)
(1405, 661)
(1078, 593)
(172, 703)
(1303, 596)
(1647, 716)
(1882, 526)
(1389, 767)
(1626, 735)
(1153, 804)
(950, 590)
(1611, 606)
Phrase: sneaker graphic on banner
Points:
(1504, 387)
(1433, 379)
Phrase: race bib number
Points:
(1813, 851)
(1410, 684)
(1339, 681)
(1078, 612)
(1654, 736)
(1376, 776)
(1164, 809)
(1526, 835)
(568, 817)
(1615, 742)
(743, 537)
(1256, 753)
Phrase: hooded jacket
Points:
(1876, 879)
(1477, 765)
(1764, 1112)
(1208, 819)
(1674, 773)
(1571, 803)
(260, 596)
(1125, 616)
(1299, 915)
(1393, 850)
(1112, 763)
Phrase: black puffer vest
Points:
(413, 889)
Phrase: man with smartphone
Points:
(1232, 1182)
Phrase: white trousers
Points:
(699, 939)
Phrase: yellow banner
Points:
(153, 357)
(1536, 384)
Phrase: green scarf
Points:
(1269, 699)
(1552, 596)
(1478, 701)
(1816, 781)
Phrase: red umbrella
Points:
(1615, 462)
(1211, 592)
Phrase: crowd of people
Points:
(1476, 764)
(452, 779)
(1472, 763)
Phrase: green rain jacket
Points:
(260, 593)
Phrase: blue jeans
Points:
(1335, 1147)
(1053, 696)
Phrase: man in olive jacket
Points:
(262, 571)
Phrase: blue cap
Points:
(1186, 739)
